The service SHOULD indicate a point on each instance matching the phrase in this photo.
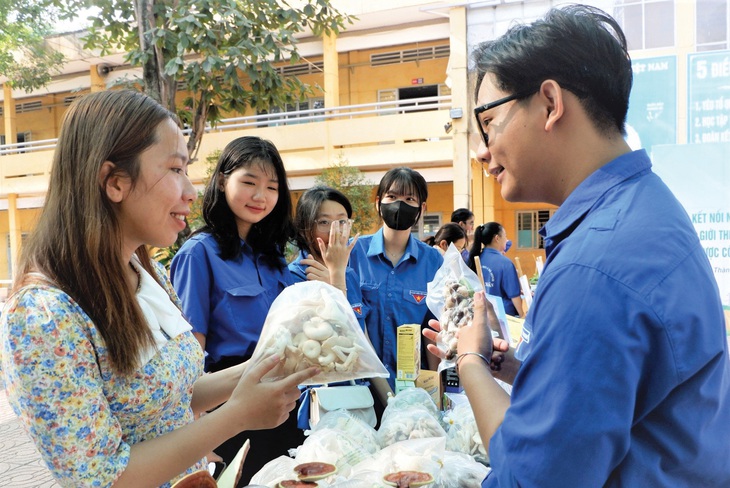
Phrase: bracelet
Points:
(461, 356)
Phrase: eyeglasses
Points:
(497, 103)
(325, 225)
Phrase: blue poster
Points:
(708, 105)
(703, 188)
(652, 116)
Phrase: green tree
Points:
(223, 52)
(356, 187)
(25, 58)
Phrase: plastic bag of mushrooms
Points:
(451, 299)
(312, 324)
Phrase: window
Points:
(427, 225)
(713, 22)
(648, 24)
(291, 113)
(528, 225)
(21, 137)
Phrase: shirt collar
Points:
(377, 246)
(585, 195)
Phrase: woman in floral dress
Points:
(99, 363)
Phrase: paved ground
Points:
(20, 463)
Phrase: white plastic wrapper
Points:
(408, 397)
(330, 446)
(312, 324)
(276, 470)
(451, 298)
(462, 435)
(424, 455)
(415, 422)
(351, 427)
(460, 471)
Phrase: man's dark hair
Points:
(580, 47)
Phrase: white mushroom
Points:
(318, 329)
(311, 349)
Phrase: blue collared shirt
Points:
(227, 300)
(626, 378)
(352, 282)
(500, 278)
(393, 295)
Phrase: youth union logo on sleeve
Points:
(357, 309)
(418, 296)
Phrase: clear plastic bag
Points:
(415, 422)
(451, 298)
(462, 435)
(409, 397)
(330, 446)
(349, 426)
(312, 324)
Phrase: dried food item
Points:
(314, 471)
(458, 311)
(408, 479)
(296, 484)
(199, 479)
(312, 324)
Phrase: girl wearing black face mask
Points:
(394, 267)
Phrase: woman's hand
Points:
(256, 404)
(315, 270)
(336, 253)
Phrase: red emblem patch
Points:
(418, 296)
(357, 309)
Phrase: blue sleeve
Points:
(191, 276)
(511, 281)
(575, 394)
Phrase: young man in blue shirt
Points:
(625, 378)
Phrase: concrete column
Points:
(331, 71)
(14, 232)
(331, 86)
(460, 100)
(97, 81)
(11, 136)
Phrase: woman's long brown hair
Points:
(77, 243)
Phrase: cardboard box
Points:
(431, 382)
(408, 363)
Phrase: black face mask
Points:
(399, 215)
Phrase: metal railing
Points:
(283, 118)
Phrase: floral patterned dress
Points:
(82, 416)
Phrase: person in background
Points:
(625, 378)
(465, 218)
(98, 361)
(394, 266)
(500, 275)
(229, 272)
(323, 223)
(448, 234)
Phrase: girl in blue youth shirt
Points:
(230, 271)
(323, 222)
(500, 275)
(394, 266)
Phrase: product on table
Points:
(408, 479)
(314, 471)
